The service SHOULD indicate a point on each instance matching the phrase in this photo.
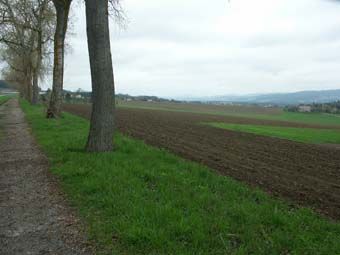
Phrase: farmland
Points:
(306, 174)
(202, 108)
(254, 112)
(143, 200)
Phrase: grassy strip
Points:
(308, 118)
(4, 99)
(142, 200)
(305, 135)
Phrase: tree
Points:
(25, 37)
(68, 97)
(16, 78)
(62, 8)
(43, 17)
(100, 137)
(16, 42)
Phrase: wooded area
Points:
(33, 32)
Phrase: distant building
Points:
(304, 108)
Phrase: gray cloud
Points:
(191, 48)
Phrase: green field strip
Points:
(306, 135)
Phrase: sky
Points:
(196, 48)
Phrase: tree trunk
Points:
(28, 84)
(35, 96)
(62, 10)
(100, 138)
(36, 69)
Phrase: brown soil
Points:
(34, 216)
(307, 174)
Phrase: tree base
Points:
(50, 114)
(99, 147)
(98, 150)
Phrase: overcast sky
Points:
(191, 48)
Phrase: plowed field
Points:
(305, 174)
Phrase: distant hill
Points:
(6, 88)
(4, 85)
(303, 97)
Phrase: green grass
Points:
(309, 118)
(3, 99)
(240, 111)
(306, 135)
(143, 200)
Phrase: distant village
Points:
(333, 107)
(82, 96)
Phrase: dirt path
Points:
(34, 217)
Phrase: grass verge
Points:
(4, 99)
(305, 135)
(142, 200)
(308, 118)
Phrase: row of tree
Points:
(25, 34)
(31, 30)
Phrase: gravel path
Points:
(34, 216)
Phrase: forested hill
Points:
(302, 97)
(4, 85)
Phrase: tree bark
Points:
(62, 10)
(28, 84)
(36, 69)
(100, 137)
(35, 96)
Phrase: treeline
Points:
(127, 97)
(32, 41)
(4, 85)
(333, 107)
(26, 32)
(81, 96)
